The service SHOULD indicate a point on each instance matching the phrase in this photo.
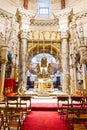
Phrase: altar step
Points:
(44, 106)
(40, 96)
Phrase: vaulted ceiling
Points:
(12, 5)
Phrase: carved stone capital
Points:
(24, 16)
(23, 34)
(63, 13)
(64, 35)
(64, 17)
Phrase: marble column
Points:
(83, 60)
(4, 51)
(65, 62)
(22, 57)
(84, 76)
(72, 74)
(75, 80)
(72, 81)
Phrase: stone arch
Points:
(50, 49)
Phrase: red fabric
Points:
(9, 86)
(44, 120)
(11, 94)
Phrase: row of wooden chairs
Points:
(73, 110)
(71, 101)
(76, 118)
(23, 102)
(13, 111)
(10, 118)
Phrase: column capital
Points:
(63, 13)
(64, 16)
(23, 34)
(24, 16)
(64, 35)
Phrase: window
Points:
(43, 11)
(43, 7)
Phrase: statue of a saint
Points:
(44, 62)
(38, 68)
(49, 68)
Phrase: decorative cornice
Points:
(50, 22)
(63, 13)
(6, 14)
(80, 15)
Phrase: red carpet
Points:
(44, 120)
(44, 106)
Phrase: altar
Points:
(43, 86)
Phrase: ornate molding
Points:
(6, 14)
(80, 15)
(63, 13)
(24, 15)
(64, 17)
(50, 22)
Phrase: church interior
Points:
(43, 49)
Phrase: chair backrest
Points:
(12, 101)
(77, 101)
(62, 99)
(26, 99)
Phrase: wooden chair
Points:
(80, 122)
(12, 101)
(63, 99)
(64, 110)
(77, 101)
(1, 119)
(13, 118)
(62, 103)
(72, 113)
(79, 127)
(26, 99)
